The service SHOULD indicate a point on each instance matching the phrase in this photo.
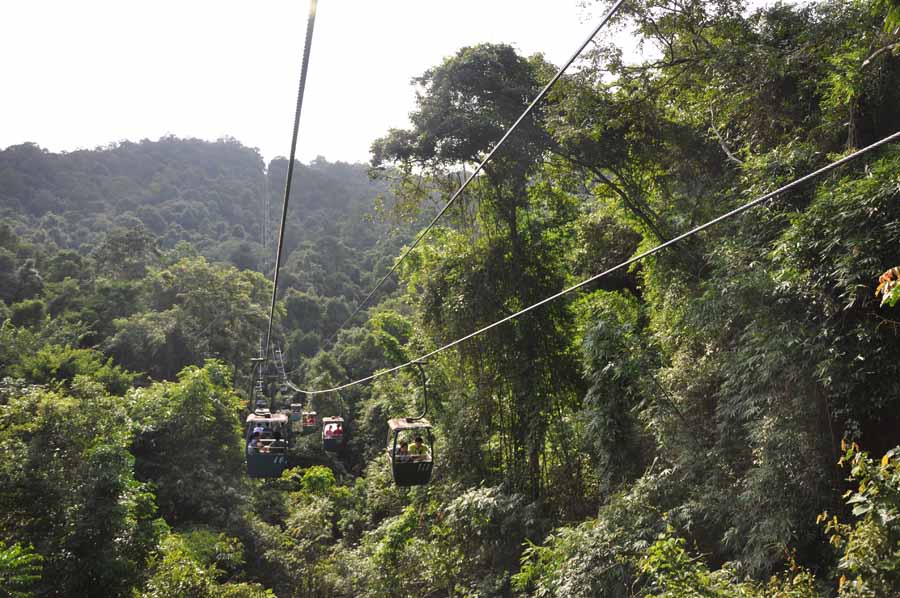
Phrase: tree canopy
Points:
(720, 419)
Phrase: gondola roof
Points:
(408, 424)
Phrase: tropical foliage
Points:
(718, 419)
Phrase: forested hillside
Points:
(118, 210)
(719, 419)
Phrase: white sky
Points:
(84, 73)
(79, 74)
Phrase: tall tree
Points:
(465, 106)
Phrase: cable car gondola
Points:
(267, 444)
(303, 422)
(332, 433)
(411, 445)
(296, 418)
(413, 466)
(309, 422)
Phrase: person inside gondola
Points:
(418, 450)
(254, 445)
(278, 444)
(403, 451)
(338, 430)
(329, 431)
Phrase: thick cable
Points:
(290, 173)
(480, 166)
(625, 264)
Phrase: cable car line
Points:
(626, 263)
(480, 166)
(310, 24)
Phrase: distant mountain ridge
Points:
(210, 194)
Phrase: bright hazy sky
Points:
(83, 73)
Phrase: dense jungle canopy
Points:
(718, 420)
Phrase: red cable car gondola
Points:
(332, 433)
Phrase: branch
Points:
(659, 64)
(660, 36)
(712, 125)
(887, 48)
(630, 204)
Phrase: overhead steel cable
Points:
(481, 165)
(625, 264)
(310, 24)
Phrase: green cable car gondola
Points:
(267, 444)
(296, 418)
(410, 446)
(410, 454)
(309, 422)
(303, 422)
